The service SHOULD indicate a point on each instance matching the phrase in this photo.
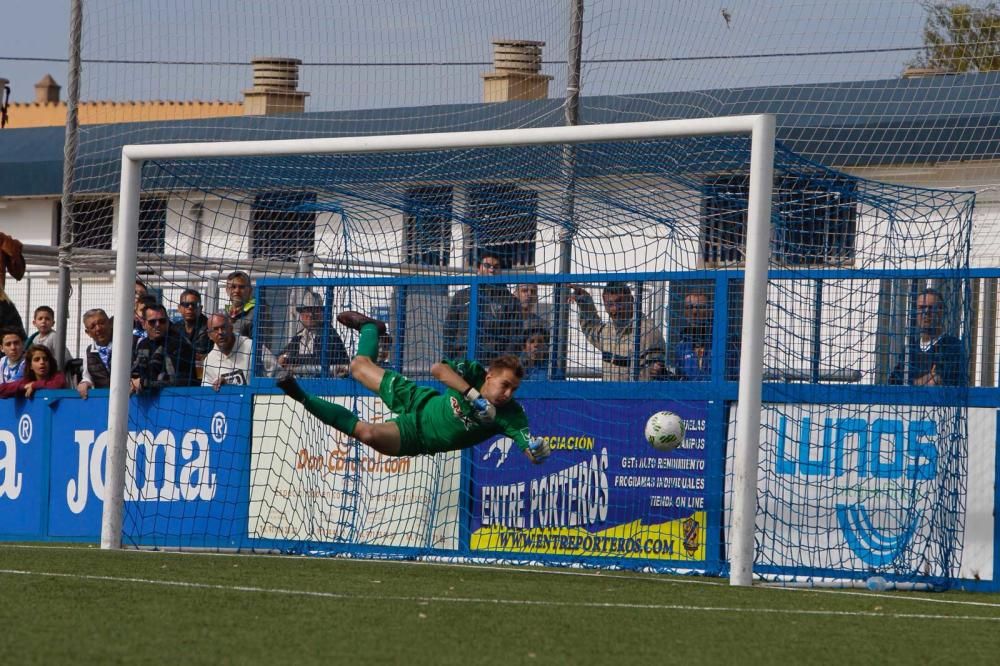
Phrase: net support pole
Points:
(560, 340)
(124, 299)
(744, 508)
(70, 146)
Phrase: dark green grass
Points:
(118, 607)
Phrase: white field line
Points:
(490, 600)
(601, 574)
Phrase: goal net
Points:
(614, 267)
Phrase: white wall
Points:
(31, 221)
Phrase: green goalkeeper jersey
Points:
(447, 421)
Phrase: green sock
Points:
(368, 342)
(331, 414)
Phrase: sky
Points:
(373, 53)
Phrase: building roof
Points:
(849, 124)
(53, 113)
(31, 161)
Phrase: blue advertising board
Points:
(187, 476)
(24, 428)
(604, 492)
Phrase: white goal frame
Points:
(760, 128)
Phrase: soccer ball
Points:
(665, 431)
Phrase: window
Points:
(93, 220)
(815, 220)
(152, 225)
(427, 226)
(724, 220)
(503, 219)
(282, 225)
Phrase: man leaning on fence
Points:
(161, 359)
(615, 338)
(97, 356)
(935, 358)
(230, 358)
(304, 353)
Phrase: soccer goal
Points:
(636, 256)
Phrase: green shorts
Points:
(405, 397)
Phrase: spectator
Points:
(659, 371)
(193, 325)
(44, 333)
(692, 358)
(230, 358)
(616, 338)
(533, 313)
(97, 357)
(384, 350)
(303, 353)
(161, 359)
(142, 301)
(693, 353)
(499, 318)
(535, 354)
(40, 373)
(12, 363)
(241, 302)
(138, 318)
(936, 358)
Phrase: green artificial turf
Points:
(81, 605)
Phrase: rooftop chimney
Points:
(47, 90)
(517, 64)
(275, 83)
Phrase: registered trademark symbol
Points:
(219, 427)
(24, 428)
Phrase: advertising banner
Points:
(863, 487)
(604, 492)
(23, 474)
(310, 483)
(186, 476)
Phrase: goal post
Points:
(752, 354)
(760, 129)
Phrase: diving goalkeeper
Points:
(477, 404)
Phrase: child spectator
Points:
(40, 373)
(535, 354)
(12, 363)
(45, 335)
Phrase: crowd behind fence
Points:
(669, 325)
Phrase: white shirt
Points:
(307, 342)
(10, 372)
(233, 368)
(50, 341)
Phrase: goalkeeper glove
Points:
(485, 411)
(538, 449)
